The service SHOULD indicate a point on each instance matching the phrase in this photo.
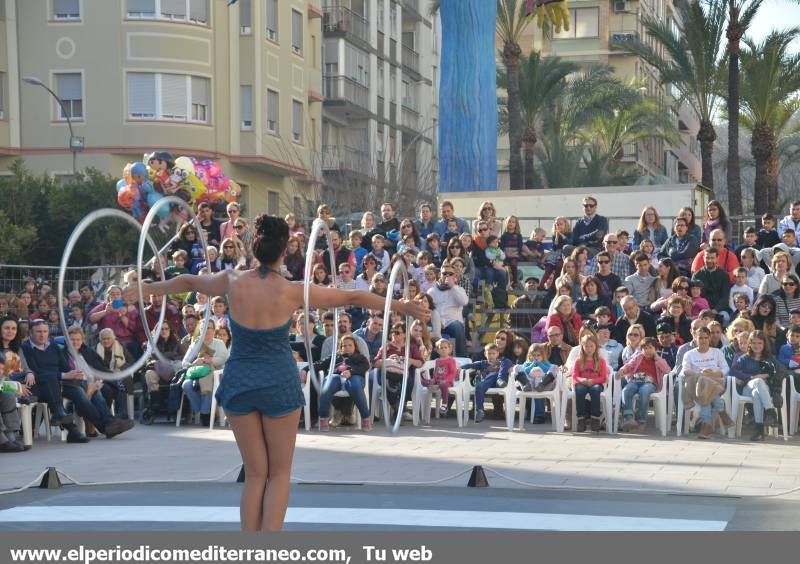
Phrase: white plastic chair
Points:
(344, 394)
(306, 395)
(553, 395)
(508, 392)
(686, 416)
(662, 406)
(790, 408)
(214, 406)
(606, 403)
(421, 396)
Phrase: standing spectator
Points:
(341, 254)
(590, 229)
(294, 226)
(681, 247)
(449, 300)
(209, 224)
(228, 228)
(424, 224)
(716, 283)
(650, 228)
(716, 218)
(446, 212)
(488, 213)
(369, 229)
(726, 259)
(792, 221)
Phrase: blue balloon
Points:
(121, 184)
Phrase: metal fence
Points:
(12, 276)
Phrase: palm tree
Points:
(770, 81)
(691, 64)
(740, 16)
(540, 80)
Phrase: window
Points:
(392, 87)
(2, 95)
(297, 121)
(273, 111)
(245, 16)
(585, 24)
(297, 32)
(169, 97)
(272, 20)
(195, 11)
(273, 199)
(66, 9)
(70, 90)
(247, 106)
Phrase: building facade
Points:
(240, 85)
(379, 121)
(595, 26)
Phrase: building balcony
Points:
(344, 160)
(345, 97)
(339, 21)
(410, 60)
(411, 10)
(409, 116)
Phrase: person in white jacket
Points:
(450, 299)
(213, 353)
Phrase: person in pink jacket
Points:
(644, 374)
(589, 375)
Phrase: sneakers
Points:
(595, 424)
(641, 428)
(479, 415)
(528, 388)
(705, 431)
(771, 417)
(547, 379)
(629, 425)
(758, 432)
(443, 411)
(366, 424)
(501, 383)
(581, 425)
(11, 446)
(726, 419)
(323, 424)
(336, 420)
(407, 416)
(118, 426)
(76, 437)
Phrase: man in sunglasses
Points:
(726, 259)
(681, 247)
(591, 228)
(449, 300)
(619, 262)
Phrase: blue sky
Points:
(776, 14)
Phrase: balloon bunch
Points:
(158, 175)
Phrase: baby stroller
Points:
(157, 396)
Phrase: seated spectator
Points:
(556, 350)
(787, 299)
(740, 287)
(294, 226)
(512, 244)
(122, 318)
(788, 246)
(10, 421)
(570, 274)
(535, 246)
(369, 229)
(750, 239)
(611, 348)
(699, 303)
(488, 214)
(198, 382)
(589, 376)
(295, 262)
(379, 253)
(350, 375)
(565, 318)
(371, 335)
(726, 259)
(232, 254)
(718, 338)
(395, 358)
(431, 273)
(780, 265)
(681, 247)
(219, 312)
(607, 279)
(319, 276)
(675, 316)
(449, 300)
(681, 288)
(178, 266)
(633, 314)
(641, 284)
(368, 272)
(768, 235)
(341, 254)
(456, 249)
(433, 246)
(716, 283)
(649, 228)
(227, 228)
(580, 255)
(494, 372)
(345, 327)
(755, 274)
(435, 322)
(633, 342)
(757, 378)
(379, 285)
(590, 299)
(424, 223)
(619, 294)
(446, 212)
(160, 372)
(644, 374)
(359, 252)
(667, 349)
(590, 229)
(529, 300)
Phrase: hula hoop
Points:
(399, 268)
(152, 336)
(317, 227)
(62, 272)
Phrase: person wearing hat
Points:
(528, 301)
(667, 349)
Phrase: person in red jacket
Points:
(726, 259)
(644, 374)
(589, 375)
(565, 318)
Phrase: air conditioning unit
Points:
(620, 6)
(625, 36)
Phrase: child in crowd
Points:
(589, 375)
(349, 374)
(219, 312)
(619, 293)
(76, 317)
(699, 303)
(789, 354)
(178, 266)
(741, 306)
(633, 342)
(435, 249)
(794, 317)
(641, 283)
(667, 349)
(423, 260)
(512, 245)
(623, 239)
(768, 234)
(519, 351)
(359, 252)
(740, 286)
(53, 323)
(612, 348)
(644, 374)
(381, 255)
(452, 230)
(536, 246)
(494, 254)
(431, 274)
(490, 373)
(537, 360)
(444, 374)
(408, 244)
(750, 240)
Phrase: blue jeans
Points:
(199, 402)
(492, 275)
(757, 389)
(705, 410)
(489, 381)
(643, 389)
(353, 386)
(594, 394)
(457, 331)
(94, 409)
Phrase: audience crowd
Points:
(663, 298)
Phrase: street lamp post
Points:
(75, 143)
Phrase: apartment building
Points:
(379, 119)
(240, 85)
(596, 25)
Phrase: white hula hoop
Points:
(82, 226)
(398, 269)
(317, 227)
(152, 336)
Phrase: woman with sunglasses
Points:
(488, 213)
(228, 228)
(787, 299)
(455, 249)
(681, 288)
(764, 318)
(407, 228)
(716, 218)
(232, 254)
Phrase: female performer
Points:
(260, 388)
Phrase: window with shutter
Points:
(173, 9)
(141, 8)
(247, 106)
(141, 95)
(273, 107)
(297, 121)
(201, 96)
(245, 16)
(272, 20)
(297, 32)
(198, 11)
(173, 96)
(69, 89)
(273, 199)
(66, 9)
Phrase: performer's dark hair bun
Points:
(271, 238)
